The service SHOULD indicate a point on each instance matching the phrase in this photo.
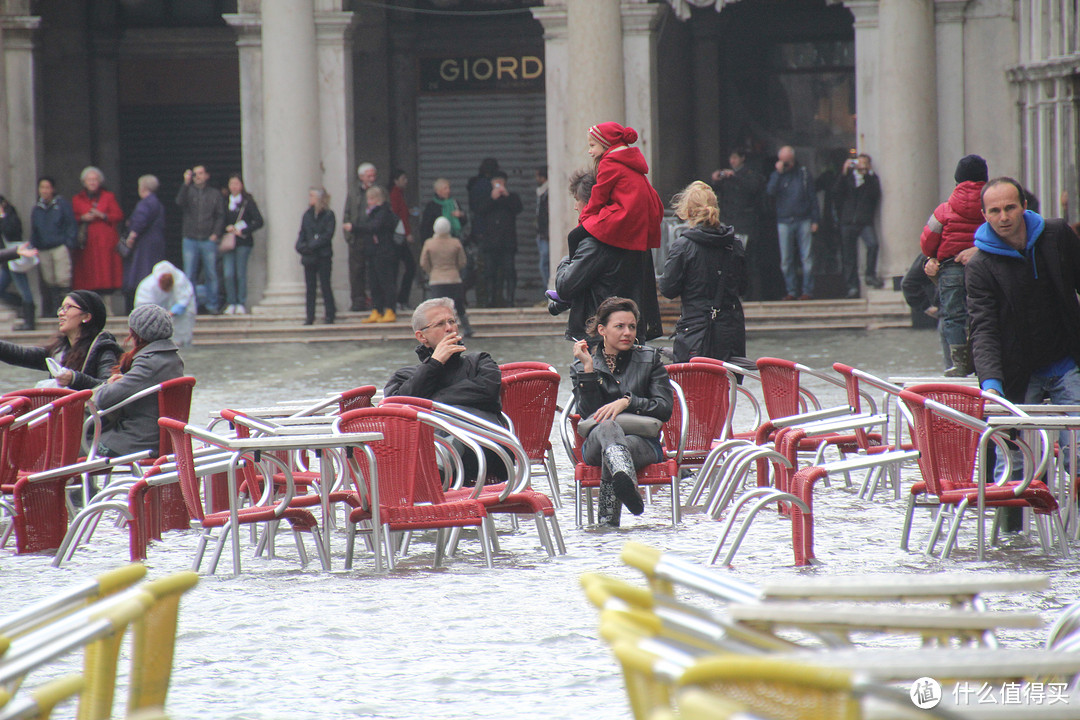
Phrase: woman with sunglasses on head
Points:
(83, 348)
(613, 377)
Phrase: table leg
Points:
(326, 482)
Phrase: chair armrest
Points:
(809, 417)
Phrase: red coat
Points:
(624, 209)
(97, 266)
(400, 207)
(951, 228)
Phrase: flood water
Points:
(517, 641)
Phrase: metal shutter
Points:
(456, 132)
(167, 139)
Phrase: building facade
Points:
(297, 94)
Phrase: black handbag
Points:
(640, 425)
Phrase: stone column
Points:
(559, 160)
(705, 74)
(248, 27)
(867, 137)
(292, 151)
(20, 149)
(908, 154)
(949, 17)
(639, 22)
(333, 37)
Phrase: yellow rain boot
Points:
(390, 316)
(374, 317)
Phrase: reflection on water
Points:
(517, 641)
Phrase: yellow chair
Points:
(154, 641)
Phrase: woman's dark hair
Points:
(74, 356)
(243, 192)
(607, 309)
(46, 177)
(398, 172)
(581, 184)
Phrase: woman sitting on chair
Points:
(83, 348)
(153, 360)
(613, 377)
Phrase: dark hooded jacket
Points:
(1013, 332)
(595, 271)
(96, 369)
(470, 381)
(699, 262)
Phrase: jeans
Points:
(234, 265)
(790, 234)
(382, 277)
(1061, 390)
(405, 256)
(501, 277)
(643, 451)
(202, 253)
(25, 297)
(953, 308)
(849, 253)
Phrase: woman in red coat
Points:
(97, 266)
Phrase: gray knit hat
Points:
(151, 322)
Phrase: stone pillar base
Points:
(281, 296)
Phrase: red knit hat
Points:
(612, 133)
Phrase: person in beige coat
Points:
(442, 259)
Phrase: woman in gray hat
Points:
(84, 349)
(153, 360)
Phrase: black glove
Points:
(557, 308)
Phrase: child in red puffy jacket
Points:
(624, 210)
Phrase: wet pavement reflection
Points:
(517, 641)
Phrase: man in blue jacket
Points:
(1022, 304)
(52, 232)
(797, 218)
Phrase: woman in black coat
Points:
(85, 350)
(316, 252)
(706, 266)
(242, 219)
(593, 271)
(376, 231)
(610, 377)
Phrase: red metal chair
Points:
(529, 400)
(513, 497)
(299, 519)
(947, 429)
(40, 508)
(513, 368)
(710, 401)
(406, 496)
(587, 477)
(359, 397)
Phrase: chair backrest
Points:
(780, 387)
(53, 443)
(513, 368)
(529, 399)
(710, 395)
(947, 449)
(174, 401)
(185, 466)
(405, 457)
(359, 397)
(26, 448)
(851, 386)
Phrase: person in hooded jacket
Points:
(706, 266)
(594, 271)
(153, 360)
(169, 287)
(948, 242)
(85, 350)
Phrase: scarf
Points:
(448, 206)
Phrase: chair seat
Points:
(1037, 496)
(460, 513)
(655, 474)
(298, 518)
(526, 502)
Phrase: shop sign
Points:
(486, 72)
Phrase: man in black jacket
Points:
(498, 245)
(858, 193)
(202, 224)
(1022, 305)
(470, 381)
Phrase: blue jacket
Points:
(795, 196)
(52, 224)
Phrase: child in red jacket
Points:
(624, 211)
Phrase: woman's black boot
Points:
(620, 466)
